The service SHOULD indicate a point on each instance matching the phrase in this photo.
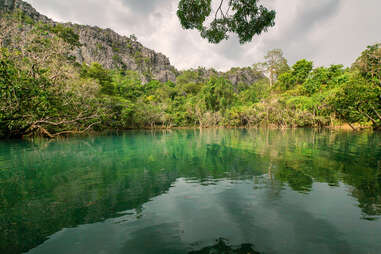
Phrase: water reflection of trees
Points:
(302, 158)
(223, 247)
(45, 187)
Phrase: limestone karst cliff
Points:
(108, 48)
(100, 45)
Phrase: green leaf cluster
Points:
(245, 18)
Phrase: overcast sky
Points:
(325, 31)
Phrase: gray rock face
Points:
(243, 75)
(236, 76)
(11, 5)
(7, 4)
(115, 51)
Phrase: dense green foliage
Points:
(43, 91)
(244, 18)
(66, 33)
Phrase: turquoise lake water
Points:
(192, 191)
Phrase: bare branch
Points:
(75, 132)
(375, 111)
(63, 121)
(219, 9)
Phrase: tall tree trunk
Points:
(271, 78)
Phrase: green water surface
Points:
(192, 191)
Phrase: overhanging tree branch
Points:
(247, 19)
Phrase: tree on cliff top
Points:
(244, 18)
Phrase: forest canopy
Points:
(34, 101)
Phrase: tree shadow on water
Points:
(222, 246)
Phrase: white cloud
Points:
(325, 31)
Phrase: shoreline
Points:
(343, 128)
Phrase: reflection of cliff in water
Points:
(222, 247)
(48, 186)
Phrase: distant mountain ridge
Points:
(114, 51)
